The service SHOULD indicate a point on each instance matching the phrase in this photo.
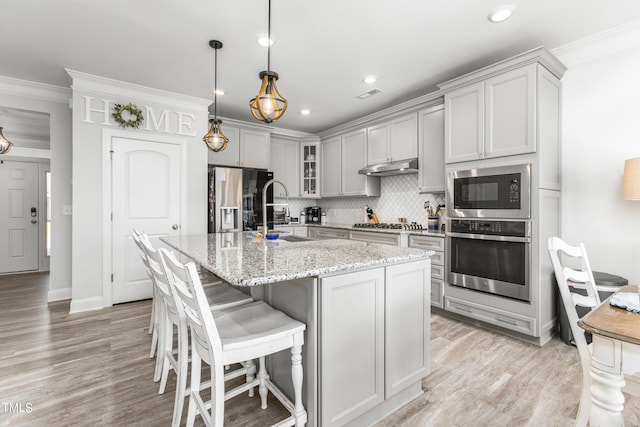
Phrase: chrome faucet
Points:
(265, 204)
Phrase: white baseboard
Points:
(59, 294)
(85, 304)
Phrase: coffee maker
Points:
(313, 214)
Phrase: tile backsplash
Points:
(399, 198)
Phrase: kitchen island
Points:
(366, 307)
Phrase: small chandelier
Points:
(215, 139)
(5, 144)
(269, 104)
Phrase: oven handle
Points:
(491, 237)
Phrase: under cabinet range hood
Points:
(392, 168)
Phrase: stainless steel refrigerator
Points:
(235, 199)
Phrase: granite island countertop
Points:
(243, 260)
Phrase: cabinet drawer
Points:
(426, 242)
(437, 258)
(495, 316)
(384, 238)
(437, 271)
(437, 292)
(331, 233)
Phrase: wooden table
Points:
(615, 357)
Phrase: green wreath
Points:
(134, 112)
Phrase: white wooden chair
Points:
(228, 336)
(218, 296)
(577, 275)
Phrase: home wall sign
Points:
(97, 110)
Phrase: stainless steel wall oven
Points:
(490, 256)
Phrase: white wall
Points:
(90, 241)
(54, 101)
(601, 128)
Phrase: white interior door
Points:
(146, 195)
(18, 216)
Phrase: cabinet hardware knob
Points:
(175, 226)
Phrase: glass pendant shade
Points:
(269, 105)
(215, 139)
(5, 144)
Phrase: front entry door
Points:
(18, 216)
(146, 191)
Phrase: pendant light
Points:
(5, 144)
(215, 139)
(269, 105)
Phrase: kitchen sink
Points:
(291, 238)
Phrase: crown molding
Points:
(538, 55)
(406, 107)
(29, 89)
(601, 44)
(267, 128)
(116, 88)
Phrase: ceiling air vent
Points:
(369, 93)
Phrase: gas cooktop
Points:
(386, 226)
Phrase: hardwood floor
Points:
(93, 368)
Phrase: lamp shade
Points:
(5, 144)
(631, 180)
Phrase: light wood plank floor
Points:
(93, 369)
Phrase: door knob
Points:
(175, 226)
(33, 221)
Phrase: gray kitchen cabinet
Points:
(404, 138)
(284, 154)
(394, 140)
(352, 344)
(254, 149)
(342, 157)
(407, 321)
(492, 118)
(246, 148)
(331, 167)
(431, 175)
(322, 233)
(435, 244)
(375, 237)
(378, 144)
(378, 350)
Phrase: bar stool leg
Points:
(262, 388)
(296, 375)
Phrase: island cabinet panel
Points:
(407, 331)
(351, 345)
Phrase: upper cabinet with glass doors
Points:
(310, 171)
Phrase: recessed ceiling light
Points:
(501, 14)
(264, 41)
(219, 92)
(369, 79)
(305, 111)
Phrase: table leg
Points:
(607, 400)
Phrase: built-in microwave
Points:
(497, 192)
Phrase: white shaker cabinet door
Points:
(351, 345)
(254, 149)
(464, 123)
(407, 332)
(403, 143)
(510, 119)
(331, 167)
